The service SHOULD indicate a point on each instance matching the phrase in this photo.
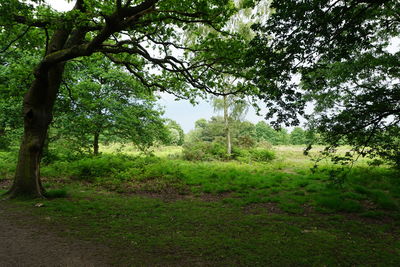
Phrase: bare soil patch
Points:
(25, 242)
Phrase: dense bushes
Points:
(119, 168)
(249, 142)
(7, 164)
(255, 154)
(89, 168)
(205, 151)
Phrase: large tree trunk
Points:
(38, 106)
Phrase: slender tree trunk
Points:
(3, 144)
(96, 143)
(227, 129)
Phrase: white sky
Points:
(183, 111)
(61, 5)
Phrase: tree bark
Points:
(227, 129)
(96, 143)
(37, 111)
(3, 144)
(38, 105)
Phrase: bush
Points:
(255, 154)
(8, 162)
(265, 145)
(262, 155)
(204, 151)
(101, 166)
(195, 151)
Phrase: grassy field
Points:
(161, 210)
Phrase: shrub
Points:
(262, 155)
(7, 164)
(204, 151)
(196, 151)
(265, 145)
(240, 154)
(93, 167)
(255, 154)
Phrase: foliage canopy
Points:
(339, 52)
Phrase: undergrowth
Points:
(174, 212)
(293, 187)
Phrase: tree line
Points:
(247, 134)
(208, 139)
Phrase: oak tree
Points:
(147, 37)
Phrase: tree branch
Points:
(16, 39)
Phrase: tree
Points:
(234, 109)
(232, 102)
(265, 132)
(208, 139)
(298, 136)
(245, 133)
(338, 50)
(101, 100)
(122, 31)
(176, 134)
(208, 131)
(214, 131)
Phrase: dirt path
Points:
(24, 243)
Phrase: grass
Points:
(7, 164)
(130, 149)
(243, 183)
(217, 233)
(166, 211)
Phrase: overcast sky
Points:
(183, 111)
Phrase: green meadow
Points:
(162, 210)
